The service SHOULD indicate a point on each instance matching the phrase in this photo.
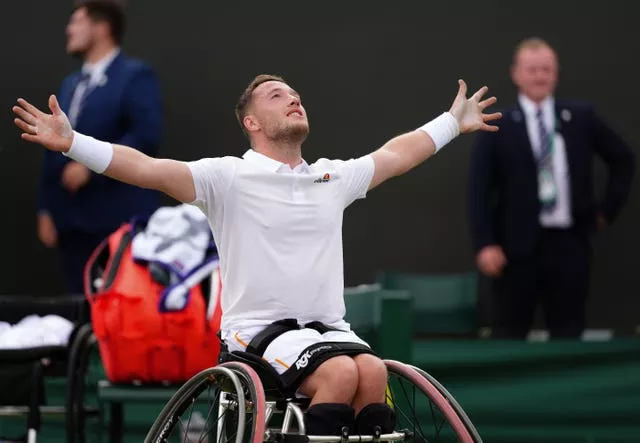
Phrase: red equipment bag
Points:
(137, 340)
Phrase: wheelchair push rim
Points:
(234, 392)
(406, 385)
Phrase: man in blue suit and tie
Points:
(532, 206)
(113, 97)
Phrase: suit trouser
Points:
(75, 248)
(555, 275)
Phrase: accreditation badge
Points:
(547, 191)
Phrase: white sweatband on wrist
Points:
(94, 154)
(442, 129)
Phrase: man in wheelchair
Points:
(277, 222)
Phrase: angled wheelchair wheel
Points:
(224, 404)
(423, 409)
(454, 404)
(78, 408)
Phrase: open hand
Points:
(53, 131)
(469, 111)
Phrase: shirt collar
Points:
(530, 108)
(98, 68)
(273, 165)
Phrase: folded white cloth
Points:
(35, 331)
(176, 237)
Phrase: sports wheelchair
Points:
(242, 399)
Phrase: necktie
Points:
(82, 89)
(546, 180)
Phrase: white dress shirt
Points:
(560, 216)
(98, 78)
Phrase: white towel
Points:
(35, 331)
(176, 237)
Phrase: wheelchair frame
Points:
(250, 400)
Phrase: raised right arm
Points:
(171, 177)
(128, 165)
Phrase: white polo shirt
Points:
(279, 234)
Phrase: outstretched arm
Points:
(122, 163)
(406, 151)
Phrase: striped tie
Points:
(82, 89)
(545, 161)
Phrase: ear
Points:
(102, 29)
(250, 123)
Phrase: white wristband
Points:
(94, 154)
(442, 129)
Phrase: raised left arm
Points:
(406, 151)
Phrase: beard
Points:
(78, 54)
(80, 51)
(289, 132)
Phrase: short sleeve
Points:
(356, 176)
(212, 179)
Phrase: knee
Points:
(339, 374)
(372, 372)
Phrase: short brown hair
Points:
(531, 43)
(109, 11)
(247, 95)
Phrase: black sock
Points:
(328, 418)
(375, 414)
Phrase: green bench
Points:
(383, 318)
(444, 304)
(113, 398)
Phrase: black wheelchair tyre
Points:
(182, 399)
(452, 401)
(76, 371)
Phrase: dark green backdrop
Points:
(366, 72)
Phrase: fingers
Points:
(486, 103)
(489, 128)
(30, 108)
(54, 106)
(26, 127)
(462, 89)
(29, 138)
(491, 117)
(479, 93)
(24, 115)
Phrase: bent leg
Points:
(335, 381)
(331, 386)
(372, 381)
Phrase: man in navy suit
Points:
(115, 98)
(532, 207)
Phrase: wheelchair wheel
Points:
(454, 404)
(423, 409)
(232, 409)
(77, 370)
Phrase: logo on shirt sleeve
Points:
(324, 179)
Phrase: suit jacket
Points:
(503, 185)
(125, 109)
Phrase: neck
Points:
(284, 152)
(98, 52)
(537, 101)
